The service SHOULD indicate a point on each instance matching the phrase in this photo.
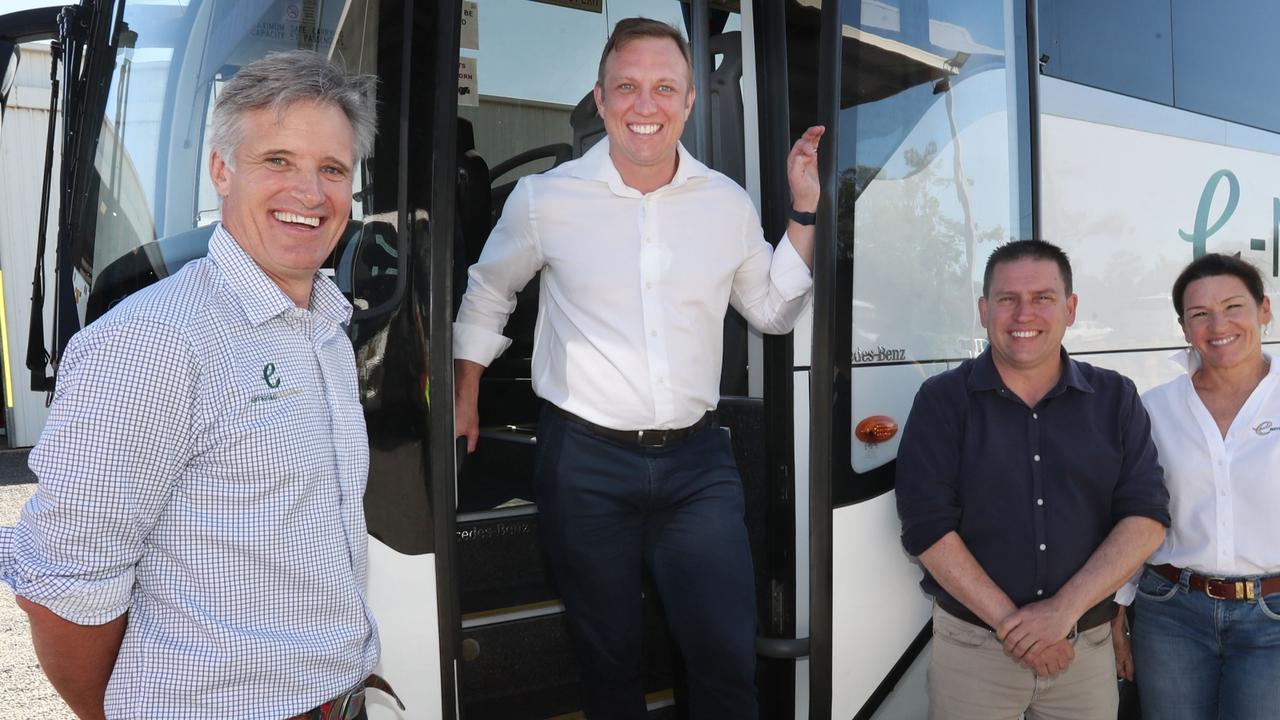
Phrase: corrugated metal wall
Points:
(22, 143)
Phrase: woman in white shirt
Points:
(1206, 633)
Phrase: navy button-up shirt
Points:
(1032, 491)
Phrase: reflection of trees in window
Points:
(917, 264)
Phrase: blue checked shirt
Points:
(202, 469)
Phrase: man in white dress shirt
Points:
(642, 248)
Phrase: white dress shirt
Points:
(202, 469)
(634, 288)
(1224, 493)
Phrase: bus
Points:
(1127, 133)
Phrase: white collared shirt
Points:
(202, 469)
(634, 288)
(1224, 492)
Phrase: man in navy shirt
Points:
(1029, 488)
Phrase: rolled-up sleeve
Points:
(1140, 491)
(771, 287)
(511, 257)
(928, 468)
(119, 432)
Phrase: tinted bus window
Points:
(1224, 57)
(1124, 47)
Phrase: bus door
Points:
(931, 173)
(525, 75)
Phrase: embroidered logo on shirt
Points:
(272, 381)
(269, 376)
(1266, 427)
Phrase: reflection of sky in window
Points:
(984, 151)
(535, 51)
(948, 26)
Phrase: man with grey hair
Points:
(196, 547)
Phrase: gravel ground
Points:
(25, 692)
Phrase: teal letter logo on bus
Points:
(1201, 232)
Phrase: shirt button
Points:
(1036, 458)
(653, 333)
(1039, 501)
(1039, 592)
(648, 286)
(1042, 547)
(1035, 416)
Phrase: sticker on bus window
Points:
(468, 88)
(470, 26)
(595, 6)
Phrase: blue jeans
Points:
(607, 511)
(1198, 658)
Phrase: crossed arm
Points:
(1128, 544)
(958, 572)
(1035, 634)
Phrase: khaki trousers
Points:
(971, 678)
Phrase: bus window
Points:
(152, 205)
(929, 184)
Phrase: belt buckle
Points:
(1208, 588)
(659, 438)
(350, 705)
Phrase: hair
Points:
(635, 28)
(281, 79)
(1212, 265)
(1027, 249)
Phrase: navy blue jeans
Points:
(608, 511)
(1197, 658)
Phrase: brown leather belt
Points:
(1095, 616)
(1220, 588)
(638, 438)
(349, 704)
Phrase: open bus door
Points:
(468, 621)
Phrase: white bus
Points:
(1136, 135)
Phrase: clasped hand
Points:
(1036, 636)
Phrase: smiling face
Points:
(287, 200)
(1026, 312)
(645, 99)
(1223, 322)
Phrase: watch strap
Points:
(803, 218)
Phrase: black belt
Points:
(1095, 616)
(638, 438)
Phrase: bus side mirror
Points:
(369, 265)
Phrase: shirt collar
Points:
(595, 164)
(1188, 359)
(258, 294)
(985, 376)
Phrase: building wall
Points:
(22, 145)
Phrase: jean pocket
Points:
(1095, 636)
(958, 632)
(1270, 606)
(1156, 587)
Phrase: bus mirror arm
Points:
(782, 648)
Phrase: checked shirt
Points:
(202, 469)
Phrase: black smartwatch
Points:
(803, 218)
